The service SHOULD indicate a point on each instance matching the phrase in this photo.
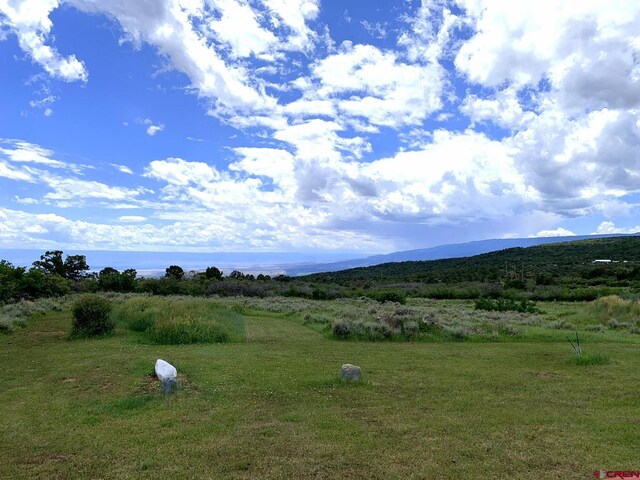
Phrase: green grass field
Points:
(273, 406)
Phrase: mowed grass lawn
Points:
(273, 407)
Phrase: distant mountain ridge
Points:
(458, 250)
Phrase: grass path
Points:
(273, 407)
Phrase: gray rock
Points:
(350, 372)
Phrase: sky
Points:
(307, 125)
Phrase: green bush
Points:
(506, 304)
(388, 296)
(92, 317)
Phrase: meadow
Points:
(265, 399)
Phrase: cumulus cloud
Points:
(376, 85)
(176, 171)
(608, 227)
(558, 232)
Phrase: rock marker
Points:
(168, 375)
(350, 372)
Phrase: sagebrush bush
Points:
(595, 328)
(616, 325)
(92, 316)
(561, 325)
(458, 332)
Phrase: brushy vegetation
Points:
(434, 320)
(180, 320)
(615, 310)
(418, 320)
(92, 317)
(17, 314)
(506, 305)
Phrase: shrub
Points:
(510, 330)
(380, 331)
(343, 328)
(506, 304)
(388, 296)
(595, 328)
(411, 328)
(616, 325)
(561, 325)
(92, 317)
(457, 332)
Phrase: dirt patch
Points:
(150, 385)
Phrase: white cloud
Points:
(132, 218)
(29, 20)
(558, 232)
(578, 164)
(503, 108)
(153, 129)
(166, 25)
(44, 104)
(455, 177)
(608, 227)
(585, 50)
(279, 165)
(239, 27)
(376, 30)
(122, 168)
(374, 84)
(176, 171)
(19, 151)
(73, 188)
(294, 14)
(7, 171)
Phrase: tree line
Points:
(562, 271)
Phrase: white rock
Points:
(165, 371)
(350, 372)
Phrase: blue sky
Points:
(302, 125)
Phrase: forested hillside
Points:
(544, 264)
